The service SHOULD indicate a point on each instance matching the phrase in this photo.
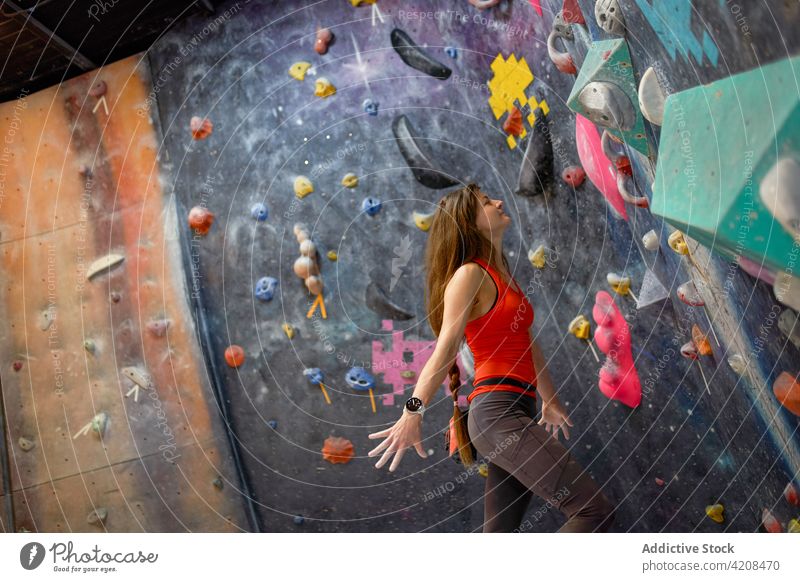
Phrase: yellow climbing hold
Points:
(298, 70)
(332, 256)
(715, 512)
(483, 469)
(579, 327)
(793, 526)
(302, 186)
(677, 243)
(324, 88)
(288, 329)
(408, 373)
(619, 284)
(423, 221)
(537, 257)
(362, 2)
(350, 180)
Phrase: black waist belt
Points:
(504, 380)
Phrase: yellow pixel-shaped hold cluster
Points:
(507, 90)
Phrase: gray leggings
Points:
(523, 459)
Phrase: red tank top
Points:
(499, 339)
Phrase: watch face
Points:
(413, 404)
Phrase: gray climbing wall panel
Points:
(727, 443)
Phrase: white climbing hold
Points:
(104, 263)
(652, 290)
(609, 17)
(651, 97)
(737, 364)
(650, 240)
(779, 193)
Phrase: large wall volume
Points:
(251, 435)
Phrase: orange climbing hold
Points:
(787, 390)
(201, 127)
(337, 450)
(769, 522)
(201, 219)
(513, 123)
(234, 356)
(701, 341)
(324, 38)
(790, 493)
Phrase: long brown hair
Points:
(454, 239)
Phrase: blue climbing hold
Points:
(272, 424)
(452, 52)
(299, 519)
(314, 375)
(265, 288)
(371, 206)
(359, 379)
(371, 107)
(259, 211)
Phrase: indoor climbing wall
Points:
(110, 423)
(307, 149)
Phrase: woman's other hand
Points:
(554, 417)
(406, 432)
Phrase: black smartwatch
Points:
(415, 406)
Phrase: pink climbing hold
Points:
(17, 365)
(537, 6)
(573, 175)
(618, 377)
(571, 12)
(324, 39)
(598, 167)
(659, 482)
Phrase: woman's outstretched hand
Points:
(404, 433)
(554, 417)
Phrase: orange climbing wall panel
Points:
(155, 467)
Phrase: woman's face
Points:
(491, 220)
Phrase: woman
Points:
(493, 315)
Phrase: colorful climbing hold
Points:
(362, 381)
(201, 127)
(768, 521)
(302, 186)
(350, 180)
(787, 390)
(677, 243)
(537, 257)
(790, 493)
(650, 240)
(324, 40)
(99, 423)
(659, 482)
(513, 123)
(651, 97)
(408, 374)
(218, 483)
(298, 70)
(259, 211)
(273, 424)
(323, 88)
(358, 3)
(304, 267)
(371, 206)
(370, 106)
(104, 264)
(561, 59)
(451, 52)
(793, 526)
(317, 377)
(716, 512)
(288, 329)
(299, 519)
(114, 296)
(423, 221)
(234, 356)
(573, 175)
(609, 17)
(737, 364)
(701, 341)
(265, 288)
(200, 219)
(580, 327)
(483, 470)
(332, 255)
(26, 444)
(89, 346)
(337, 450)
(689, 350)
(618, 283)
(17, 365)
(98, 89)
(618, 377)
(688, 293)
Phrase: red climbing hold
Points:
(790, 493)
(623, 165)
(201, 127)
(17, 365)
(234, 356)
(787, 390)
(618, 377)
(337, 450)
(324, 39)
(201, 219)
(573, 175)
(513, 123)
(659, 482)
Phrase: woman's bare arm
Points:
(459, 296)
